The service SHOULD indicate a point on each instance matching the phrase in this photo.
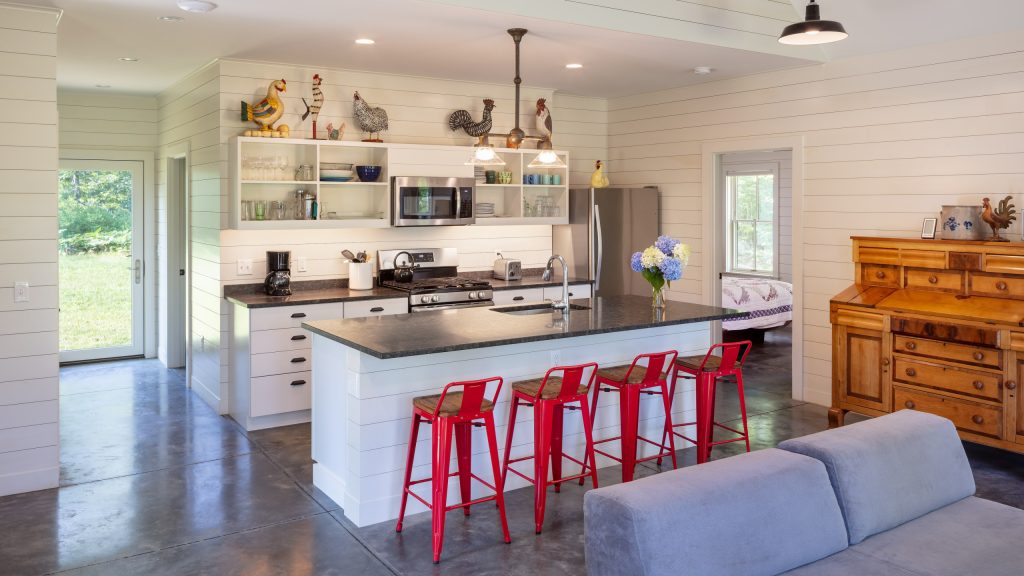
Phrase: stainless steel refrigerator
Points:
(606, 225)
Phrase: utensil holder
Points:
(360, 275)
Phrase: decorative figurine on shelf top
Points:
(369, 119)
(998, 219)
(598, 179)
(318, 102)
(266, 112)
(335, 133)
(463, 119)
(543, 119)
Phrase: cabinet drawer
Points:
(923, 258)
(575, 292)
(878, 256)
(292, 316)
(280, 394)
(943, 331)
(878, 275)
(278, 340)
(364, 308)
(968, 382)
(1004, 263)
(519, 296)
(1000, 286)
(949, 351)
(966, 415)
(280, 362)
(858, 319)
(935, 280)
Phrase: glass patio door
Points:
(101, 259)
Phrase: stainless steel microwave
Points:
(432, 201)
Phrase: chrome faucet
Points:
(562, 304)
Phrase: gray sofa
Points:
(890, 496)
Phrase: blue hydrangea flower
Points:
(634, 262)
(666, 244)
(671, 269)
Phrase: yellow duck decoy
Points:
(598, 179)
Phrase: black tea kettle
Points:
(404, 272)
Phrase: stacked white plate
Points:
(484, 209)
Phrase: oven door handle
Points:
(450, 306)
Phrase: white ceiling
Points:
(626, 46)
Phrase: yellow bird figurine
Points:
(598, 179)
(266, 112)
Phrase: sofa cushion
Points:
(891, 469)
(972, 536)
(759, 513)
(851, 562)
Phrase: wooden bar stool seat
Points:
(551, 388)
(451, 405)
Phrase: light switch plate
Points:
(245, 267)
(21, 291)
(300, 264)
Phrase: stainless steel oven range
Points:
(433, 282)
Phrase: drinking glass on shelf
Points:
(281, 165)
(261, 209)
(246, 209)
(280, 210)
(246, 167)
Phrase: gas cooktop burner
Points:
(445, 283)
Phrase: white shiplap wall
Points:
(29, 434)
(889, 139)
(102, 120)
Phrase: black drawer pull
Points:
(377, 309)
(299, 337)
(571, 294)
(298, 382)
(297, 360)
(519, 298)
(299, 315)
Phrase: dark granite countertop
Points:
(450, 330)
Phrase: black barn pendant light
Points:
(813, 30)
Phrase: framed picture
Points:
(928, 228)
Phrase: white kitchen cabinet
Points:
(518, 296)
(271, 358)
(576, 291)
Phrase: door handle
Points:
(600, 248)
(138, 271)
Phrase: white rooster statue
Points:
(369, 119)
(543, 119)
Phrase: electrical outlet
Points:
(21, 291)
(245, 267)
(300, 264)
(556, 357)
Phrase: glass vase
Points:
(659, 298)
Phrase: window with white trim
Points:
(752, 197)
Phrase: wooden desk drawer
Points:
(923, 258)
(878, 256)
(293, 316)
(878, 275)
(280, 362)
(944, 331)
(1004, 263)
(280, 394)
(966, 415)
(265, 341)
(968, 382)
(948, 351)
(935, 280)
(999, 286)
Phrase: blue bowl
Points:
(368, 173)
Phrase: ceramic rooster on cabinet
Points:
(463, 119)
(543, 119)
(266, 112)
(999, 218)
(598, 179)
(370, 119)
(318, 103)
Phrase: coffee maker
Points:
(279, 277)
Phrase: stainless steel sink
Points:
(540, 308)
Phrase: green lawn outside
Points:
(95, 300)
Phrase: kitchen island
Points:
(366, 371)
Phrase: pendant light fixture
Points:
(484, 154)
(813, 30)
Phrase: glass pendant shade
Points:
(813, 30)
(485, 156)
(546, 159)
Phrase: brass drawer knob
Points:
(909, 404)
(911, 372)
(1011, 385)
(933, 279)
(1001, 285)
(911, 345)
(880, 275)
(978, 384)
(977, 419)
(885, 361)
(979, 356)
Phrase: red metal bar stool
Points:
(707, 370)
(550, 396)
(454, 413)
(630, 382)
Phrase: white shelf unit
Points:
(368, 204)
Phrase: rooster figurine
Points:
(543, 119)
(998, 219)
(463, 119)
(335, 133)
(598, 179)
(318, 102)
(266, 112)
(369, 119)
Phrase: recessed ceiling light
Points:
(171, 19)
(128, 59)
(574, 66)
(702, 70)
(196, 5)
(103, 85)
(366, 41)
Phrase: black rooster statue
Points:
(370, 119)
(463, 119)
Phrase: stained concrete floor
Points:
(155, 482)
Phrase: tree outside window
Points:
(751, 198)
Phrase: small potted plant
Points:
(660, 264)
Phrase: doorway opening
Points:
(101, 259)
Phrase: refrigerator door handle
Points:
(600, 248)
